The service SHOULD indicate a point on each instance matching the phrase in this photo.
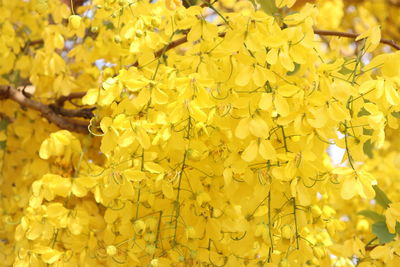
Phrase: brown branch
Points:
(354, 36)
(170, 46)
(60, 101)
(9, 92)
(4, 116)
(86, 113)
(183, 40)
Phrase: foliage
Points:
(152, 133)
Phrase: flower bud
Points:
(74, 21)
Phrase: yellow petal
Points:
(288, 90)
(91, 96)
(391, 94)
(286, 61)
(251, 152)
(259, 76)
(349, 188)
(134, 175)
(265, 101)
(227, 176)
(44, 152)
(167, 189)
(244, 75)
(258, 127)
(153, 167)
(379, 252)
(143, 138)
(159, 96)
(196, 112)
(266, 150)
(242, 129)
(281, 105)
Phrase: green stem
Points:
(177, 209)
(347, 148)
(295, 223)
(270, 226)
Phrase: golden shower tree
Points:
(202, 133)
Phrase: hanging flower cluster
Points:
(209, 138)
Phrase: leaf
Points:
(396, 114)
(380, 197)
(3, 124)
(368, 131)
(363, 112)
(2, 145)
(381, 231)
(108, 25)
(367, 148)
(296, 69)
(372, 215)
(345, 71)
(268, 6)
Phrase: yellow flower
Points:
(356, 183)
(74, 21)
(173, 4)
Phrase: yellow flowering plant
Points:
(199, 133)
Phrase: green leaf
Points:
(380, 197)
(253, 2)
(2, 145)
(109, 25)
(367, 148)
(368, 131)
(296, 69)
(363, 112)
(3, 124)
(396, 114)
(376, 217)
(345, 71)
(188, 3)
(268, 6)
(381, 231)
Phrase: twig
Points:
(170, 46)
(12, 93)
(60, 101)
(183, 40)
(295, 223)
(86, 113)
(354, 36)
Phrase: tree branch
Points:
(61, 100)
(170, 46)
(183, 40)
(354, 36)
(86, 113)
(12, 93)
